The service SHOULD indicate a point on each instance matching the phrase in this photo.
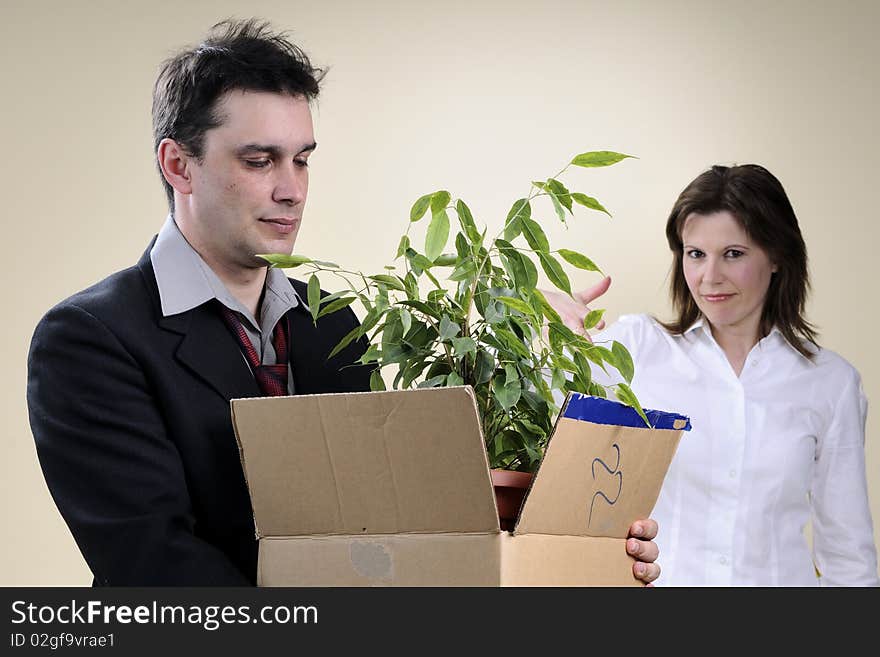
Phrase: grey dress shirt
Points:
(186, 281)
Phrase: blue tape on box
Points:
(605, 411)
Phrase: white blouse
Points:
(781, 445)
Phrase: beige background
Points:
(476, 97)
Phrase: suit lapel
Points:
(211, 352)
(206, 347)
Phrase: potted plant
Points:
(475, 316)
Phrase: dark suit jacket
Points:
(131, 418)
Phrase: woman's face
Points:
(726, 272)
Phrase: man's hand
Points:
(573, 309)
(640, 546)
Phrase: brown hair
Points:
(237, 55)
(755, 197)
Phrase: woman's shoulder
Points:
(641, 325)
(832, 367)
(635, 331)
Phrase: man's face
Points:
(249, 190)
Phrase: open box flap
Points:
(366, 463)
(602, 469)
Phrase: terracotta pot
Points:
(510, 489)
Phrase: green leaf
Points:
(284, 261)
(405, 320)
(454, 379)
(448, 328)
(439, 201)
(420, 207)
(463, 270)
(606, 354)
(534, 235)
(356, 332)
(422, 306)
(598, 159)
(549, 311)
(626, 395)
(434, 381)
(624, 361)
(584, 371)
(557, 380)
(314, 296)
(561, 192)
(372, 354)
(516, 304)
(418, 262)
(554, 272)
(557, 206)
(390, 281)
(446, 259)
(589, 202)
(593, 317)
(578, 260)
(438, 234)
(521, 209)
(403, 246)
(494, 312)
(466, 219)
(506, 388)
(483, 367)
(462, 346)
(513, 342)
(338, 304)
(521, 268)
(376, 381)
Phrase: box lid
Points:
(366, 463)
(602, 469)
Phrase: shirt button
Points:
(723, 561)
(732, 474)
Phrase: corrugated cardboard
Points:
(393, 489)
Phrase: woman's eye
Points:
(734, 253)
(694, 253)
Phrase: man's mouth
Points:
(284, 225)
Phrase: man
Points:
(129, 381)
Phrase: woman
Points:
(778, 422)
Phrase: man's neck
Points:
(246, 285)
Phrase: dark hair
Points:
(243, 55)
(756, 199)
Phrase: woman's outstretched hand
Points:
(573, 309)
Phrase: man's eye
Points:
(301, 163)
(257, 164)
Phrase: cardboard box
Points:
(393, 489)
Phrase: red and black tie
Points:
(272, 379)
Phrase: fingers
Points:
(645, 529)
(646, 551)
(640, 546)
(646, 572)
(594, 292)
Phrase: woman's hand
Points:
(573, 309)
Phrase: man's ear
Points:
(175, 164)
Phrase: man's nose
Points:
(291, 184)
